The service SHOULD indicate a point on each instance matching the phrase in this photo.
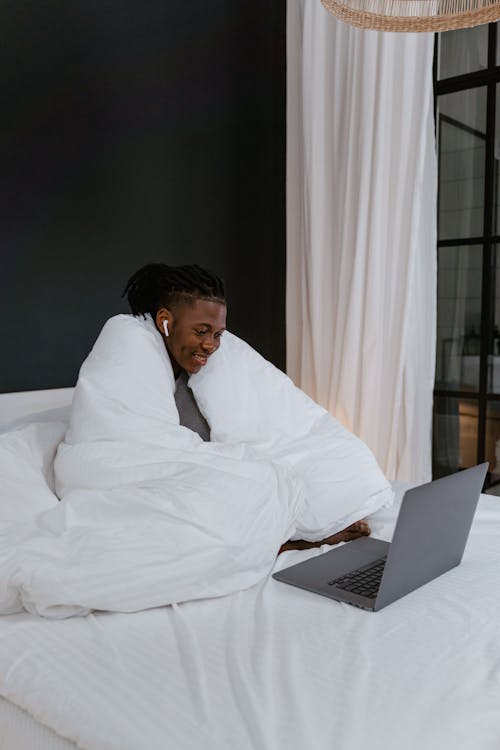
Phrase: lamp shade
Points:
(414, 15)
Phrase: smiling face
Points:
(194, 331)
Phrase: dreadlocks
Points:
(158, 285)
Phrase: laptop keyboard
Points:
(364, 581)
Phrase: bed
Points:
(267, 668)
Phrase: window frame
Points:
(489, 78)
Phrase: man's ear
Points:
(164, 319)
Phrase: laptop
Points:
(429, 539)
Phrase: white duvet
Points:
(274, 667)
(152, 515)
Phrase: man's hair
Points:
(158, 285)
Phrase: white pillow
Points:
(27, 450)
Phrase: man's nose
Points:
(209, 345)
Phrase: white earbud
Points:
(165, 327)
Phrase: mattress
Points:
(271, 667)
(20, 731)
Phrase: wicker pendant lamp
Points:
(414, 15)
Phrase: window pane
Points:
(496, 212)
(458, 317)
(463, 51)
(454, 435)
(493, 446)
(494, 344)
(462, 128)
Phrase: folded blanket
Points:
(149, 513)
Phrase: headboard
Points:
(22, 403)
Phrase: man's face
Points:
(194, 333)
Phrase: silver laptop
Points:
(429, 539)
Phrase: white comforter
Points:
(151, 515)
(275, 667)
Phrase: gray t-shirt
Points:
(189, 413)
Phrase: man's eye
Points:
(201, 333)
(218, 335)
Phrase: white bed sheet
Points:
(276, 667)
(20, 731)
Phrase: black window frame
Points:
(489, 78)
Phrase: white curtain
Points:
(361, 231)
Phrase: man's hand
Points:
(354, 531)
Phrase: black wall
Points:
(133, 132)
